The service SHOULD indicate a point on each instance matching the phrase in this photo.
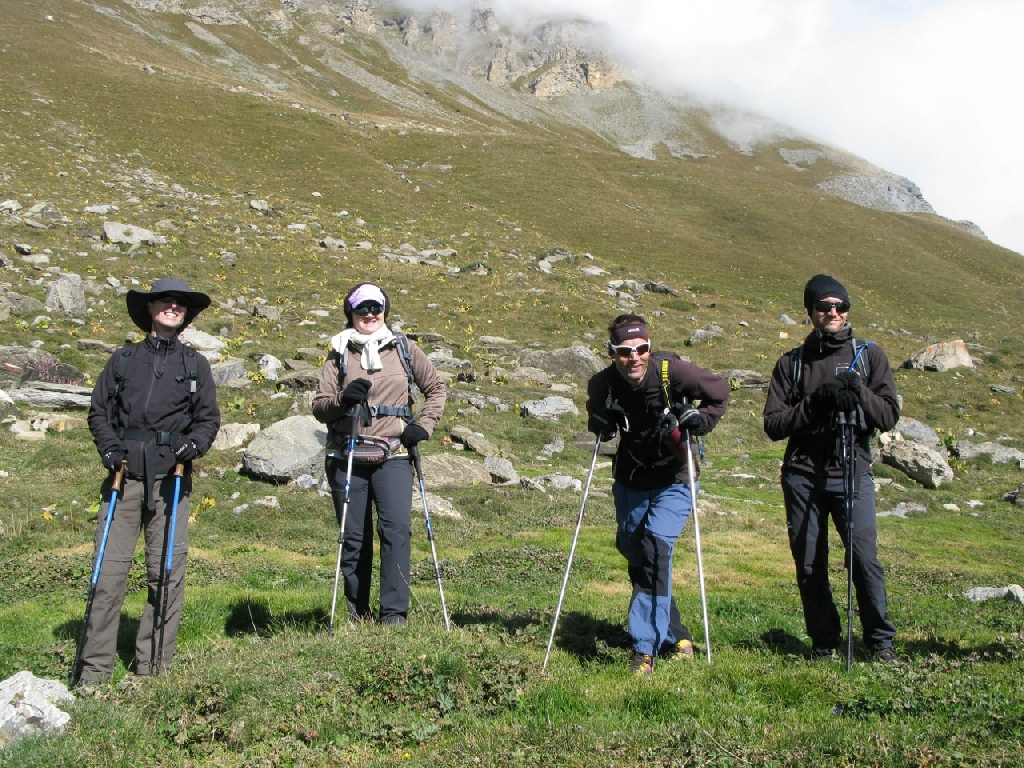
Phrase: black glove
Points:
(185, 449)
(412, 434)
(599, 425)
(113, 459)
(691, 419)
(847, 400)
(850, 380)
(356, 392)
(825, 395)
(667, 424)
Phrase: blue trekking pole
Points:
(111, 505)
(179, 470)
(352, 435)
(415, 451)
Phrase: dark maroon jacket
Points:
(643, 460)
(790, 412)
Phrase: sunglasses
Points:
(368, 309)
(624, 350)
(825, 307)
(181, 301)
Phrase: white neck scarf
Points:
(369, 345)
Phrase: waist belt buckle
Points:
(163, 438)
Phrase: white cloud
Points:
(923, 88)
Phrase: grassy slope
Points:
(256, 679)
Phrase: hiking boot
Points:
(641, 664)
(678, 651)
(823, 654)
(886, 656)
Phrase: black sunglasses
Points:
(368, 309)
(170, 298)
(825, 307)
(624, 350)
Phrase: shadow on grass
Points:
(590, 639)
(127, 630)
(254, 617)
(783, 643)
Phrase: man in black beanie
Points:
(832, 373)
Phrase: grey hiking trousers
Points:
(130, 516)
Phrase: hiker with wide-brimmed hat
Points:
(153, 407)
(370, 373)
(829, 383)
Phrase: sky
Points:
(926, 89)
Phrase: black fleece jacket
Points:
(155, 396)
(791, 412)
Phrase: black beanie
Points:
(820, 286)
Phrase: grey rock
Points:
(704, 335)
(585, 442)
(921, 463)
(127, 234)
(20, 365)
(267, 312)
(234, 436)
(745, 379)
(437, 505)
(501, 470)
(944, 356)
(55, 397)
(204, 343)
(228, 370)
(287, 449)
(903, 509)
(1001, 454)
(23, 305)
(28, 706)
(529, 375)
(270, 366)
(448, 470)
(577, 362)
(95, 345)
(473, 440)
(557, 445)
(300, 381)
(549, 409)
(787, 320)
(66, 294)
(1013, 593)
(912, 429)
(1002, 389)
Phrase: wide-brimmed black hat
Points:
(138, 302)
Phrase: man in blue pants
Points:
(653, 399)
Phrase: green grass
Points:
(257, 681)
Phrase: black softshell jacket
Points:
(790, 410)
(155, 396)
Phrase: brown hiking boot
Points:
(641, 664)
(678, 652)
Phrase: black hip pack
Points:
(372, 450)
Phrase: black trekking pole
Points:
(846, 422)
(696, 536)
(572, 551)
(111, 505)
(415, 452)
(352, 435)
(165, 586)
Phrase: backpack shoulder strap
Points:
(405, 355)
(191, 375)
(861, 362)
(114, 394)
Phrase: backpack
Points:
(404, 412)
(188, 362)
(861, 362)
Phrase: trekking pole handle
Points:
(119, 475)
